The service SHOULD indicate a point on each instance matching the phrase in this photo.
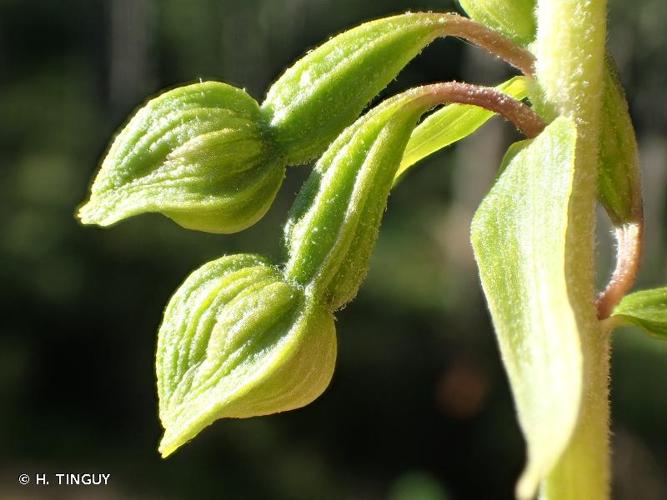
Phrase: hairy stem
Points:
(628, 255)
(570, 49)
(522, 116)
(494, 42)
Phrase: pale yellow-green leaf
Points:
(519, 239)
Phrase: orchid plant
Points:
(244, 336)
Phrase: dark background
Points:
(419, 407)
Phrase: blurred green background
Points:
(419, 407)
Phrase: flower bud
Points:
(324, 92)
(335, 220)
(198, 154)
(238, 341)
(513, 18)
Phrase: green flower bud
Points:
(513, 18)
(324, 92)
(238, 341)
(198, 154)
(334, 223)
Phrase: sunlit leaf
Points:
(646, 309)
(519, 239)
(511, 152)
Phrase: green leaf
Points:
(238, 341)
(511, 152)
(646, 309)
(326, 90)
(452, 123)
(514, 18)
(519, 240)
(618, 174)
(335, 220)
(197, 154)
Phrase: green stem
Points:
(583, 470)
(570, 50)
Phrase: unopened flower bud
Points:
(198, 154)
(324, 92)
(238, 341)
(335, 221)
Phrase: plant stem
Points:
(570, 50)
(583, 470)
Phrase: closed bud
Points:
(325, 91)
(336, 217)
(238, 341)
(198, 154)
(513, 18)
